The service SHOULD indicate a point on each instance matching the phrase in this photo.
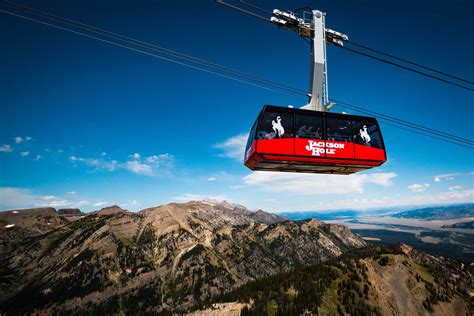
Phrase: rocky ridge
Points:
(167, 258)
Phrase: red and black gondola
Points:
(297, 140)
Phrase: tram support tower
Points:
(318, 88)
(313, 26)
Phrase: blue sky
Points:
(88, 124)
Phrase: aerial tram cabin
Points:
(296, 140)
(312, 139)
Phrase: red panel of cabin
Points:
(282, 146)
(369, 153)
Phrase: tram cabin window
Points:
(251, 135)
(308, 126)
(339, 130)
(367, 134)
(275, 125)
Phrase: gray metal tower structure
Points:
(314, 29)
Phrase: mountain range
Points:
(214, 258)
(169, 258)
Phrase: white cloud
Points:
(211, 179)
(80, 203)
(72, 193)
(135, 164)
(6, 148)
(363, 202)
(455, 188)
(74, 158)
(102, 203)
(354, 203)
(199, 197)
(233, 147)
(449, 197)
(28, 138)
(24, 198)
(17, 197)
(98, 164)
(419, 187)
(132, 203)
(310, 184)
(138, 168)
(160, 160)
(152, 159)
(18, 140)
(24, 153)
(447, 176)
(38, 157)
(53, 203)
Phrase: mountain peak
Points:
(113, 209)
(222, 203)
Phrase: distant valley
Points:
(442, 230)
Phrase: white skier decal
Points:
(277, 127)
(365, 136)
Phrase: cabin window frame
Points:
(252, 135)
